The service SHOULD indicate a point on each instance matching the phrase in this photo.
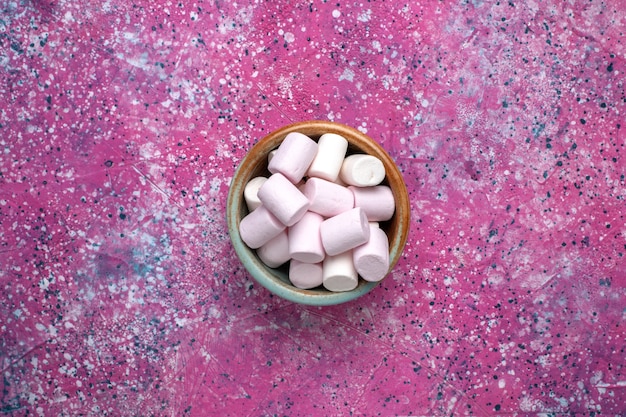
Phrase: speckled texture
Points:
(121, 125)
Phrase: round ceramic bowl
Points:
(255, 164)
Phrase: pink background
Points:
(121, 126)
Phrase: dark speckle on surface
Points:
(121, 125)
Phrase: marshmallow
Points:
(275, 252)
(304, 275)
(250, 192)
(362, 170)
(270, 156)
(293, 157)
(327, 198)
(259, 227)
(305, 243)
(339, 181)
(371, 259)
(339, 273)
(377, 202)
(330, 154)
(283, 199)
(344, 231)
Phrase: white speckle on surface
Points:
(365, 16)
(347, 74)
(289, 37)
(596, 378)
(336, 13)
(68, 18)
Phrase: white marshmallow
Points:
(339, 181)
(283, 199)
(344, 231)
(330, 154)
(327, 198)
(293, 157)
(270, 156)
(250, 192)
(275, 252)
(362, 170)
(377, 202)
(305, 243)
(304, 275)
(259, 227)
(371, 259)
(339, 273)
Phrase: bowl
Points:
(255, 164)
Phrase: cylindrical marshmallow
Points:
(270, 156)
(305, 243)
(339, 273)
(294, 156)
(275, 252)
(304, 275)
(250, 192)
(331, 151)
(283, 199)
(259, 227)
(371, 259)
(327, 198)
(344, 231)
(377, 202)
(339, 181)
(362, 170)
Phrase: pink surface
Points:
(121, 125)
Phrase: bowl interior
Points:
(255, 164)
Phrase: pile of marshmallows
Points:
(326, 226)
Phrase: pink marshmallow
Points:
(275, 252)
(259, 227)
(294, 156)
(327, 198)
(283, 199)
(371, 259)
(305, 243)
(344, 231)
(304, 275)
(377, 202)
